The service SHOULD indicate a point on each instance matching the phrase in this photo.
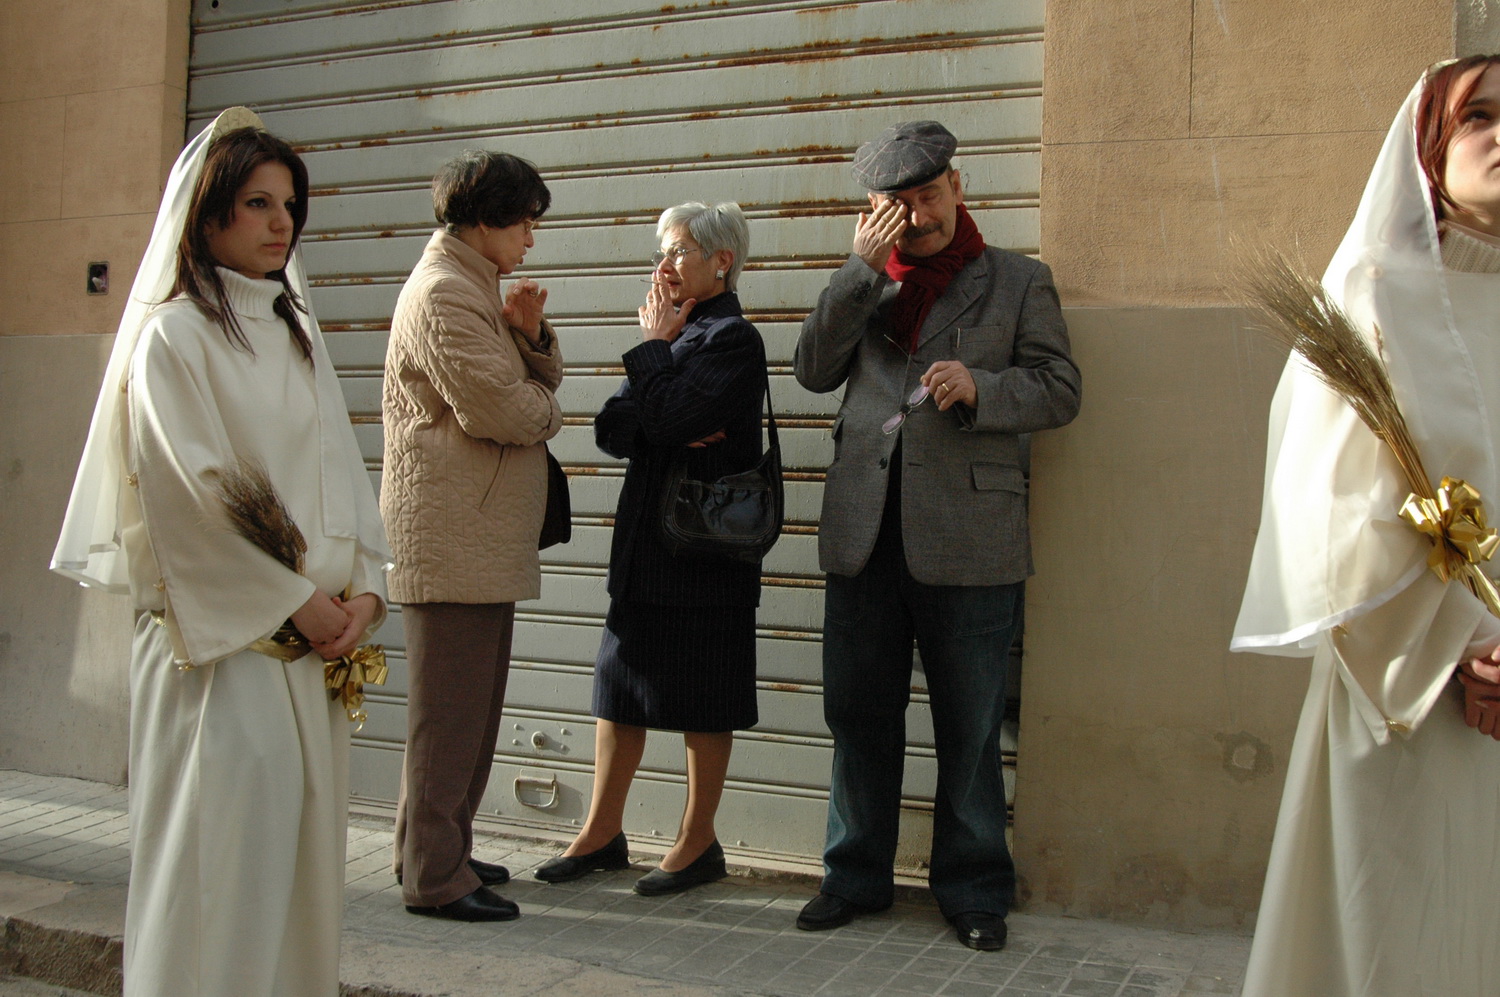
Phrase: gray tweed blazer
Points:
(963, 493)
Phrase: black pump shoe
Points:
(706, 868)
(481, 905)
(564, 868)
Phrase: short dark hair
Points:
(230, 160)
(488, 188)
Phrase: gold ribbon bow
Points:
(346, 678)
(1461, 539)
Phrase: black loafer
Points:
(706, 868)
(563, 868)
(489, 874)
(977, 930)
(826, 911)
(481, 905)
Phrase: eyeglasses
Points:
(917, 397)
(676, 254)
(894, 422)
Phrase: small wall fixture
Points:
(98, 282)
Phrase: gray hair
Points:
(722, 226)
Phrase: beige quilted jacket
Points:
(468, 402)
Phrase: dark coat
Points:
(711, 377)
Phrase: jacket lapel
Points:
(700, 323)
(687, 343)
(964, 288)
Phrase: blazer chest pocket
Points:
(988, 347)
(998, 478)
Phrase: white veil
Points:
(1331, 545)
(89, 548)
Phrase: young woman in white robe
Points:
(238, 760)
(1386, 859)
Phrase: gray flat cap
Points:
(905, 155)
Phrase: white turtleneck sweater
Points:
(1467, 251)
(196, 403)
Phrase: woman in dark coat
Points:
(678, 651)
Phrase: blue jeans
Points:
(964, 634)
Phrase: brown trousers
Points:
(459, 658)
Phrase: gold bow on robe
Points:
(1461, 538)
(346, 678)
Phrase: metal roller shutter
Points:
(627, 108)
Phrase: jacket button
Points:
(884, 463)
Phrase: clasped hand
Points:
(522, 307)
(334, 626)
(949, 382)
(1480, 678)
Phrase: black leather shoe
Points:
(985, 932)
(481, 905)
(489, 873)
(563, 868)
(706, 868)
(826, 911)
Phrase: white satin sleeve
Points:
(224, 592)
(1331, 547)
(1396, 659)
(369, 578)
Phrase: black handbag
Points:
(557, 524)
(738, 517)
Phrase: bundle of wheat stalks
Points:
(1298, 312)
(258, 514)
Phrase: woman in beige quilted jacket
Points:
(468, 403)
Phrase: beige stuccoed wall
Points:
(1175, 131)
(92, 98)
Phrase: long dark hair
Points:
(1438, 125)
(230, 160)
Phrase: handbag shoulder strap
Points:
(771, 417)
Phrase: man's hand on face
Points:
(876, 233)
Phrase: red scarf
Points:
(924, 278)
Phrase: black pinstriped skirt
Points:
(671, 668)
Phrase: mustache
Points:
(925, 230)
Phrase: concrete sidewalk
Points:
(64, 864)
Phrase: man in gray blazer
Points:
(946, 351)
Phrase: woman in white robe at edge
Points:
(1385, 866)
(238, 760)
